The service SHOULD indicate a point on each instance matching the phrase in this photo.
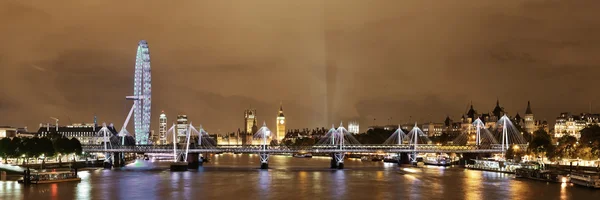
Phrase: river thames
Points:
(231, 176)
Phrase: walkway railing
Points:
(367, 148)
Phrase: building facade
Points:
(86, 133)
(433, 129)
(8, 132)
(280, 121)
(353, 127)
(568, 124)
(181, 128)
(162, 128)
(250, 126)
(529, 120)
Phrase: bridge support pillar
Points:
(108, 161)
(193, 160)
(337, 160)
(264, 160)
(403, 158)
(118, 160)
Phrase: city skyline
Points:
(326, 68)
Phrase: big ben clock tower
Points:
(280, 124)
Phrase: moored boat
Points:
(304, 155)
(437, 160)
(538, 171)
(586, 179)
(418, 162)
(52, 177)
(391, 159)
(377, 159)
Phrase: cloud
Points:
(326, 60)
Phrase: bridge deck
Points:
(301, 149)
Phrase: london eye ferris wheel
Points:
(142, 94)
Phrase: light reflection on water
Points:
(238, 177)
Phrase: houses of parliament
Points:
(251, 126)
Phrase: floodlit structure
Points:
(142, 94)
(162, 128)
(353, 127)
(280, 125)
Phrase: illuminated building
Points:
(353, 127)
(280, 125)
(250, 126)
(432, 129)
(181, 128)
(162, 128)
(86, 133)
(8, 131)
(567, 124)
(249, 119)
(529, 120)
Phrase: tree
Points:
(5, 148)
(590, 137)
(14, 148)
(31, 147)
(566, 146)
(540, 143)
(47, 147)
(75, 146)
(63, 147)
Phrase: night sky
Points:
(326, 60)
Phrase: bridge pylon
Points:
(263, 133)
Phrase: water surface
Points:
(231, 176)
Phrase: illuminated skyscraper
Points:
(182, 127)
(162, 128)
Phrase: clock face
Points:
(281, 121)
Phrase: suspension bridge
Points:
(337, 142)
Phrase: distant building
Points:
(353, 127)
(530, 124)
(249, 120)
(567, 124)
(432, 129)
(86, 133)
(452, 128)
(229, 139)
(389, 127)
(162, 128)
(182, 128)
(8, 132)
(250, 126)
(280, 121)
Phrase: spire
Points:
(280, 106)
(280, 110)
(528, 111)
(447, 121)
(471, 113)
(497, 102)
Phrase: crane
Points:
(55, 119)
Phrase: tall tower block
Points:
(280, 124)
(162, 128)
